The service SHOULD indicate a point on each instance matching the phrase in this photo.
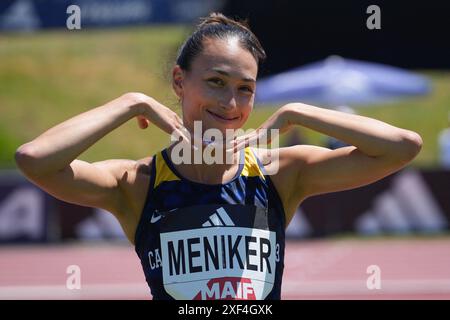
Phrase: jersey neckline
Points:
(179, 175)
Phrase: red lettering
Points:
(227, 288)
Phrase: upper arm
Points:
(97, 184)
(321, 170)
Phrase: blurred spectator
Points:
(444, 146)
(333, 143)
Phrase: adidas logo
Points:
(219, 218)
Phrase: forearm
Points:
(59, 146)
(372, 137)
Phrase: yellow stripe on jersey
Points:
(251, 168)
(163, 172)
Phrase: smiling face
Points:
(219, 88)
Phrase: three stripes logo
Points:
(219, 218)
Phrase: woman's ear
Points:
(177, 81)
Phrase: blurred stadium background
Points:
(49, 73)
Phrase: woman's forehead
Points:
(227, 55)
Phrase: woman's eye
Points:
(216, 81)
(247, 89)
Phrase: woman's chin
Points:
(222, 127)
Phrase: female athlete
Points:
(212, 230)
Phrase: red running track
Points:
(320, 269)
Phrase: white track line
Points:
(340, 287)
(89, 291)
(292, 288)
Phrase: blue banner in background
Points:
(30, 15)
(26, 213)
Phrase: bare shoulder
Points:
(283, 166)
(126, 171)
(134, 182)
(133, 178)
(143, 167)
(285, 160)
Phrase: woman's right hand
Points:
(151, 111)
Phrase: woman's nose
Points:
(228, 101)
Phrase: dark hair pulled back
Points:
(218, 26)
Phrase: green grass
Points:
(46, 78)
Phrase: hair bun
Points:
(219, 18)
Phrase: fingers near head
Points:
(142, 124)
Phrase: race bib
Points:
(217, 252)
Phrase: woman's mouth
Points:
(221, 118)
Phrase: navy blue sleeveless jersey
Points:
(200, 241)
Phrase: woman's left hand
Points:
(277, 124)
